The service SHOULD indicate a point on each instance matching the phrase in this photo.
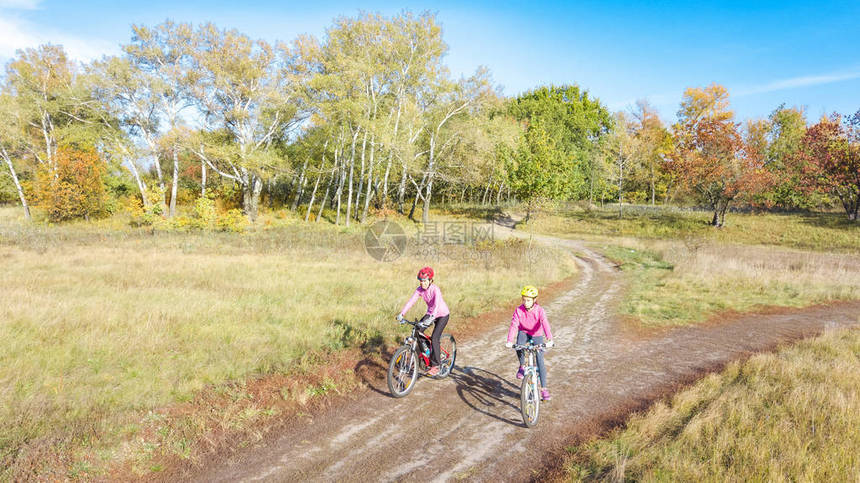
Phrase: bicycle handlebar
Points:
(416, 323)
(530, 347)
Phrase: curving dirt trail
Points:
(468, 426)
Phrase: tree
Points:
(535, 172)
(477, 159)
(830, 157)
(11, 144)
(449, 102)
(74, 187)
(245, 90)
(53, 105)
(46, 103)
(711, 159)
(575, 122)
(786, 128)
(654, 143)
(622, 151)
(152, 87)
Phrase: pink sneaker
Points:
(544, 394)
(521, 372)
(434, 371)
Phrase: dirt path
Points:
(468, 426)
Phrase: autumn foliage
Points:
(72, 187)
(830, 160)
(712, 160)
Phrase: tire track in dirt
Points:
(468, 426)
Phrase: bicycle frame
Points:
(412, 342)
(408, 361)
(530, 377)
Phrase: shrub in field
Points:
(204, 215)
(72, 187)
(233, 220)
(146, 215)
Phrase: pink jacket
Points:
(436, 305)
(532, 322)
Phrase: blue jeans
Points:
(522, 338)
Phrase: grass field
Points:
(676, 283)
(788, 416)
(829, 232)
(101, 324)
(682, 271)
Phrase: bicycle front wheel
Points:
(402, 372)
(530, 399)
(447, 355)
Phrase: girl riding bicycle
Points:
(437, 312)
(529, 324)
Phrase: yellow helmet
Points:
(529, 291)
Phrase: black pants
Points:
(438, 326)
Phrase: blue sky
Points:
(765, 53)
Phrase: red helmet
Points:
(425, 272)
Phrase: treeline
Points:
(369, 118)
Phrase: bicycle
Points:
(530, 389)
(414, 357)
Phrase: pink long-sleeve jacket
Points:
(532, 322)
(436, 306)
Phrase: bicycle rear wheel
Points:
(530, 399)
(447, 356)
(402, 372)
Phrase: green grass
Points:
(673, 283)
(830, 232)
(788, 416)
(99, 323)
(682, 271)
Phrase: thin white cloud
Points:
(803, 81)
(20, 4)
(17, 34)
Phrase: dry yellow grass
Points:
(788, 416)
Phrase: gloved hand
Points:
(399, 318)
(509, 344)
(426, 321)
(550, 343)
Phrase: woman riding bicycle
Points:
(529, 324)
(437, 312)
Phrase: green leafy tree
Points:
(576, 122)
(653, 146)
(246, 92)
(12, 145)
(787, 126)
(536, 172)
